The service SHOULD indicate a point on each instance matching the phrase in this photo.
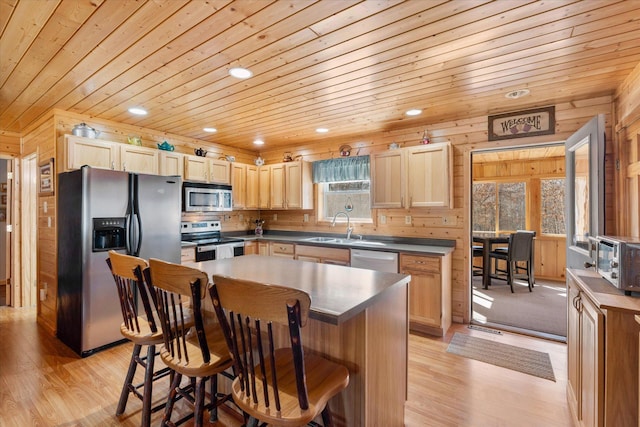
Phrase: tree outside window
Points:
(499, 207)
(342, 196)
(552, 197)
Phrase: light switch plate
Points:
(383, 219)
(306, 218)
(275, 217)
(407, 219)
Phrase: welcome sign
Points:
(540, 121)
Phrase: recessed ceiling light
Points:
(413, 112)
(322, 130)
(138, 111)
(517, 93)
(240, 73)
(210, 130)
(258, 142)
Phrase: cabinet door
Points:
(95, 153)
(277, 186)
(171, 163)
(387, 183)
(238, 184)
(264, 187)
(428, 176)
(196, 168)
(138, 159)
(251, 247)
(592, 364)
(252, 192)
(424, 297)
(573, 347)
(263, 248)
(219, 171)
(293, 185)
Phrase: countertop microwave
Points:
(617, 259)
(204, 197)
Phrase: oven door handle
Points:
(206, 248)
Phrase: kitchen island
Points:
(358, 318)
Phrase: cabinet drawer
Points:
(422, 263)
(282, 248)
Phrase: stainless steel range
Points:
(210, 244)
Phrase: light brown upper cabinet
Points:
(204, 169)
(412, 177)
(171, 163)
(79, 151)
(138, 159)
(244, 183)
(264, 187)
(290, 186)
(97, 153)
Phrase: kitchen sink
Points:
(321, 239)
(337, 241)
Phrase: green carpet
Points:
(519, 359)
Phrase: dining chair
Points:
(142, 330)
(476, 252)
(519, 249)
(193, 348)
(283, 386)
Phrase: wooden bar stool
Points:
(284, 386)
(192, 349)
(140, 330)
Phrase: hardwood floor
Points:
(43, 383)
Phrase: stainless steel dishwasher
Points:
(375, 260)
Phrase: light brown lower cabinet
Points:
(282, 249)
(188, 254)
(322, 255)
(429, 292)
(602, 351)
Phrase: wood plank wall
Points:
(41, 140)
(465, 135)
(628, 142)
(9, 144)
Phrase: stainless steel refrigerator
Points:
(100, 210)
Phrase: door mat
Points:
(519, 359)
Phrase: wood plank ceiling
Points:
(351, 66)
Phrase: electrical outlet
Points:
(240, 217)
(383, 219)
(275, 217)
(306, 218)
(407, 219)
(49, 221)
(45, 207)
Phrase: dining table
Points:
(358, 318)
(488, 240)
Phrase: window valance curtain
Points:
(341, 169)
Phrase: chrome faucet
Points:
(349, 228)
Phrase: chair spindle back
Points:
(243, 308)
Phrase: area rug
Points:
(520, 359)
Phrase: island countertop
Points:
(338, 293)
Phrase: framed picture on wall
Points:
(3, 187)
(47, 177)
(3, 199)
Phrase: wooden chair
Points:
(283, 386)
(520, 249)
(195, 350)
(141, 330)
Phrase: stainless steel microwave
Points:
(617, 260)
(203, 197)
